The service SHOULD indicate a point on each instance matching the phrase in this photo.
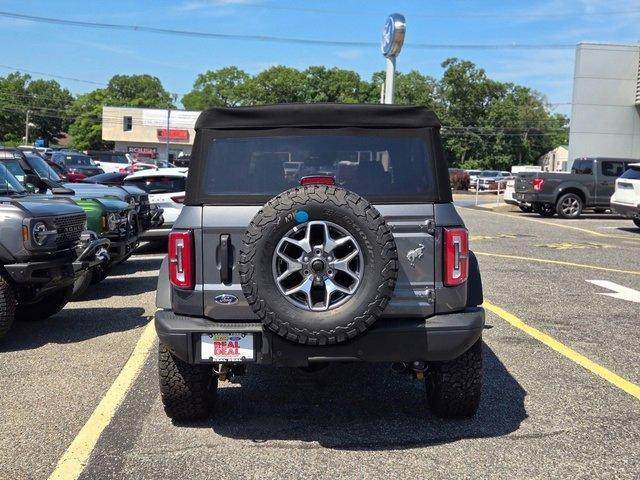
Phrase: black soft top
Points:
(291, 115)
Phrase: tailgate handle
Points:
(226, 261)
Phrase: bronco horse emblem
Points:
(415, 254)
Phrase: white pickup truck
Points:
(625, 200)
(510, 190)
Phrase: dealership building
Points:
(605, 114)
(144, 132)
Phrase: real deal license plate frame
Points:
(227, 347)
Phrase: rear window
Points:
(110, 157)
(632, 174)
(377, 167)
(159, 184)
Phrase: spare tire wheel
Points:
(318, 264)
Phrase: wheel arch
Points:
(578, 190)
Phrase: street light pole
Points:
(168, 130)
(174, 96)
(26, 129)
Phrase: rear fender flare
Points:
(163, 292)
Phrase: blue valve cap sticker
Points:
(301, 216)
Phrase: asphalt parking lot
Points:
(561, 395)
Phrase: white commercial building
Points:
(143, 132)
(605, 116)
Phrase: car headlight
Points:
(40, 233)
(112, 222)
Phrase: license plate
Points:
(519, 196)
(227, 347)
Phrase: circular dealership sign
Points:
(393, 35)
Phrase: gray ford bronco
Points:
(43, 248)
(318, 233)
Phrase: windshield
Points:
(42, 168)
(378, 167)
(489, 173)
(82, 160)
(110, 157)
(14, 167)
(9, 184)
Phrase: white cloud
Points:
(350, 54)
(196, 5)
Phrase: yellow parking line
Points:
(74, 460)
(623, 384)
(556, 262)
(559, 225)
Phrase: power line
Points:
(453, 15)
(35, 72)
(276, 39)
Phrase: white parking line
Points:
(623, 293)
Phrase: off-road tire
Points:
(7, 306)
(637, 222)
(81, 285)
(188, 391)
(46, 306)
(363, 222)
(569, 196)
(454, 388)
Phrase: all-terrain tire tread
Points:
(294, 199)
(187, 390)
(454, 388)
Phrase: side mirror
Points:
(97, 163)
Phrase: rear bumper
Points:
(626, 210)
(437, 338)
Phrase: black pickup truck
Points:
(589, 185)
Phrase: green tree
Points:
(278, 84)
(334, 85)
(225, 87)
(86, 130)
(122, 90)
(46, 102)
(137, 91)
(49, 104)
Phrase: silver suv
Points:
(360, 256)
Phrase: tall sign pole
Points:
(392, 40)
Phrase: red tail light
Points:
(317, 180)
(181, 269)
(537, 184)
(178, 199)
(456, 256)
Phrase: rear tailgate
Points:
(523, 182)
(627, 191)
(223, 228)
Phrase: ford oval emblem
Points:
(226, 299)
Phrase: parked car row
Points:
(101, 224)
(593, 183)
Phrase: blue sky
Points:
(96, 55)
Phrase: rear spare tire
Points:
(318, 264)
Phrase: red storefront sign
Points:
(173, 134)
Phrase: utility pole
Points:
(392, 40)
(174, 96)
(26, 129)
